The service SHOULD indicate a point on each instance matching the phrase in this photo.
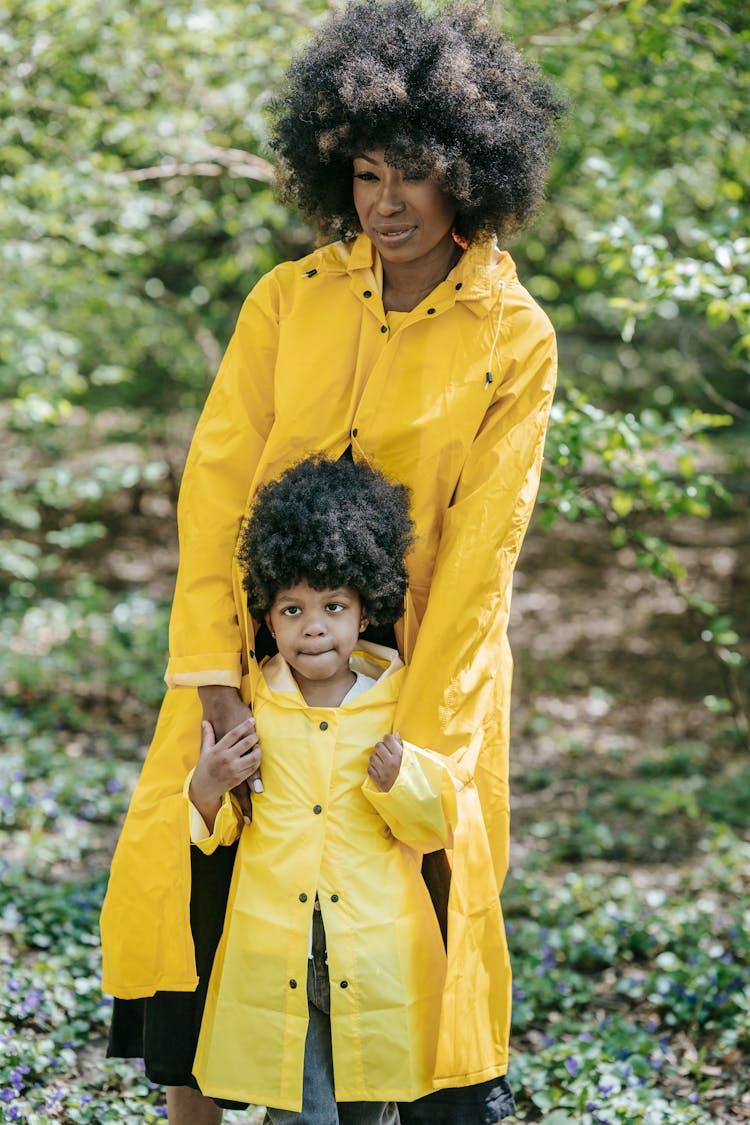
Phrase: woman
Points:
(410, 344)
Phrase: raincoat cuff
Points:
(226, 828)
(421, 808)
(204, 670)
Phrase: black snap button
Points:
(345, 984)
(292, 984)
(430, 312)
(355, 431)
(317, 809)
(367, 293)
(383, 328)
(324, 725)
(459, 285)
(334, 898)
(303, 897)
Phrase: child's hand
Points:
(385, 761)
(222, 765)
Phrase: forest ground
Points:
(626, 901)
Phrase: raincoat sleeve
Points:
(450, 696)
(420, 808)
(227, 826)
(204, 638)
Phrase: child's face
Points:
(317, 630)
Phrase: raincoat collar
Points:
(376, 661)
(474, 279)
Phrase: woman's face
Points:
(407, 220)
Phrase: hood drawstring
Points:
(488, 376)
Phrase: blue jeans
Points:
(319, 1105)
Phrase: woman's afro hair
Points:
(330, 523)
(446, 96)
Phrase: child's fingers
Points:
(208, 738)
(237, 734)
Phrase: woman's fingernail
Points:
(258, 785)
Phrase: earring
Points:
(459, 241)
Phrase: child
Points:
(327, 889)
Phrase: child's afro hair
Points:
(331, 523)
(448, 97)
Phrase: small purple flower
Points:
(572, 1066)
(693, 1097)
(586, 1037)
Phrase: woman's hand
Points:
(385, 762)
(222, 765)
(223, 709)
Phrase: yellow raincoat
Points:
(453, 401)
(322, 827)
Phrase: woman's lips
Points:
(396, 236)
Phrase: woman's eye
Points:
(367, 176)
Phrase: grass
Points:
(626, 905)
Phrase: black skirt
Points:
(163, 1029)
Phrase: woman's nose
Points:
(390, 201)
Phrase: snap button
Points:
(345, 984)
(324, 725)
(303, 897)
(355, 431)
(459, 284)
(367, 293)
(317, 809)
(383, 328)
(334, 898)
(292, 984)
(430, 312)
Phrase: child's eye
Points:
(291, 611)
(335, 607)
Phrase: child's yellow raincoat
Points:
(322, 827)
(453, 401)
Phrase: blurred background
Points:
(136, 211)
